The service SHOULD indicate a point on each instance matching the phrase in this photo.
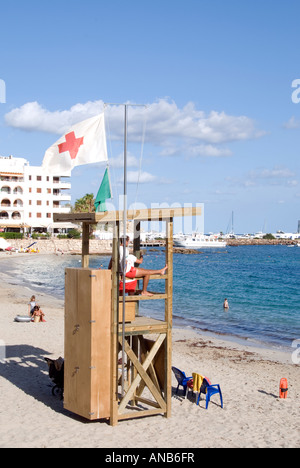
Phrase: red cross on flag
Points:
(84, 143)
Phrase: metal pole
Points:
(124, 234)
(124, 245)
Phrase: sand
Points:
(253, 415)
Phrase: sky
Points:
(217, 81)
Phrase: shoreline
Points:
(280, 352)
(243, 342)
(178, 322)
(223, 339)
(249, 379)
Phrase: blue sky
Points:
(216, 76)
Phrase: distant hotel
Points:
(29, 197)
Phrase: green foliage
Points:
(74, 234)
(85, 204)
(12, 235)
(268, 237)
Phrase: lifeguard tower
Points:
(98, 383)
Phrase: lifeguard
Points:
(133, 273)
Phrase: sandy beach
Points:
(253, 414)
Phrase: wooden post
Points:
(137, 251)
(169, 281)
(168, 316)
(85, 245)
(137, 238)
(114, 327)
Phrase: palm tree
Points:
(85, 204)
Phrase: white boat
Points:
(199, 242)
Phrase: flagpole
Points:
(124, 233)
(124, 245)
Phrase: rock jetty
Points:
(104, 247)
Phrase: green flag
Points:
(104, 193)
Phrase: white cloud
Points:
(33, 117)
(143, 177)
(185, 131)
(191, 151)
(278, 176)
(277, 173)
(292, 123)
(166, 123)
(118, 161)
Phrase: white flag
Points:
(84, 143)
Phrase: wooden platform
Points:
(144, 325)
(156, 296)
(97, 385)
(155, 214)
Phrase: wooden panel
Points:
(87, 342)
(77, 387)
(100, 341)
(130, 309)
(144, 325)
(71, 354)
(144, 298)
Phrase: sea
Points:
(261, 283)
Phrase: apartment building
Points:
(29, 197)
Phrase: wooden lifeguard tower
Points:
(97, 384)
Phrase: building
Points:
(29, 197)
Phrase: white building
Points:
(29, 196)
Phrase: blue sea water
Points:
(262, 284)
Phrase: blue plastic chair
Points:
(210, 391)
(182, 379)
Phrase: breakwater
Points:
(104, 247)
(237, 242)
(65, 246)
